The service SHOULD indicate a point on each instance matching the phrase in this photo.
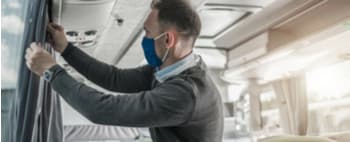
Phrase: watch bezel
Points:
(47, 75)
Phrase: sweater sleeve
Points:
(108, 76)
(170, 103)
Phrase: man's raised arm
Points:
(102, 74)
(108, 76)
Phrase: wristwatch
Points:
(48, 75)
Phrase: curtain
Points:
(292, 99)
(254, 92)
(35, 113)
(48, 123)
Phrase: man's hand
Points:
(58, 36)
(38, 60)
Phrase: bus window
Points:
(13, 14)
(270, 113)
(329, 97)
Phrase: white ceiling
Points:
(117, 38)
(119, 44)
(134, 56)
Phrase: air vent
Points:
(88, 43)
(72, 36)
(82, 38)
(72, 33)
(90, 33)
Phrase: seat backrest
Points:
(289, 138)
(339, 137)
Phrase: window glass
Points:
(13, 14)
(12, 25)
(270, 112)
(329, 83)
(329, 98)
(268, 100)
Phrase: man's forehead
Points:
(154, 12)
(152, 18)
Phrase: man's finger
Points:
(36, 48)
(56, 26)
(33, 46)
(29, 53)
(29, 50)
(26, 56)
(50, 28)
(29, 64)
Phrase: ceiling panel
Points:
(220, 16)
(216, 21)
(134, 56)
(118, 38)
(270, 16)
(77, 14)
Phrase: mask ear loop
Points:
(159, 36)
(166, 55)
(167, 51)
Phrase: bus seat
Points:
(339, 137)
(290, 138)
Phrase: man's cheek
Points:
(158, 48)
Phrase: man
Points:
(177, 99)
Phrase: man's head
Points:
(177, 23)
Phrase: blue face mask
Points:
(148, 45)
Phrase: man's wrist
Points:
(63, 48)
(51, 73)
(51, 65)
(67, 51)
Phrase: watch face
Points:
(47, 75)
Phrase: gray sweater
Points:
(184, 108)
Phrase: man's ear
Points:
(171, 39)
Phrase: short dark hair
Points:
(180, 14)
